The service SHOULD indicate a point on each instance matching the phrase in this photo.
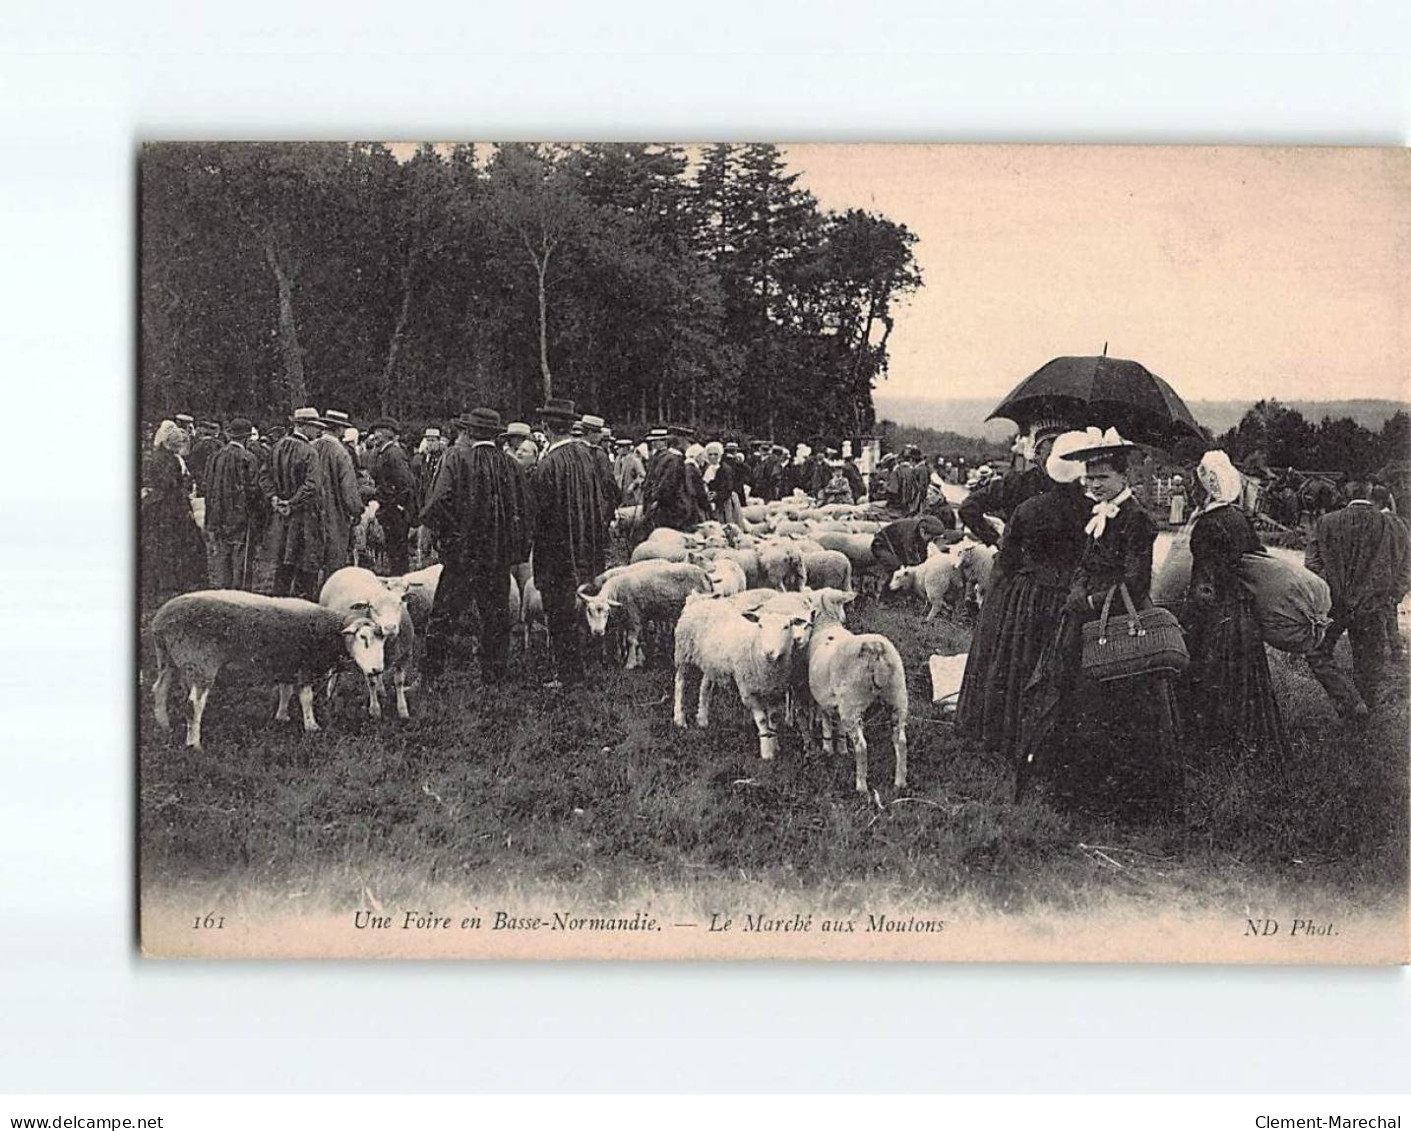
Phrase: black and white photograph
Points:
(984, 553)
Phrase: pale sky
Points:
(1233, 273)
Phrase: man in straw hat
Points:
(339, 500)
(628, 471)
(396, 490)
(572, 510)
(669, 494)
(479, 513)
(1002, 495)
(234, 503)
(290, 482)
(593, 429)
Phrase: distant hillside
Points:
(966, 415)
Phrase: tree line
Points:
(1284, 438)
(644, 281)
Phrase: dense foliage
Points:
(646, 282)
(1283, 438)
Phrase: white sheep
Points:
(293, 642)
(726, 577)
(645, 592)
(666, 544)
(353, 590)
(938, 579)
(977, 563)
(420, 586)
(847, 673)
(781, 562)
(754, 649)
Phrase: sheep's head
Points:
(597, 608)
(366, 643)
(902, 579)
(777, 633)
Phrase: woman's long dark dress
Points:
(1228, 695)
(1041, 548)
(172, 549)
(1123, 732)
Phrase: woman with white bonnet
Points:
(1228, 695)
(1111, 745)
(1039, 551)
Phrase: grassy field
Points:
(593, 794)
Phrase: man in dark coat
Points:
(904, 542)
(1364, 554)
(234, 502)
(668, 498)
(910, 479)
(340, 499)
(203, 450)
(1001, 496)
(479, 513)
(572, 511)
(593, 431)
(854, 477)
(290, 483)
(396, 491)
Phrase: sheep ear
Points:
(753, 618)
(846, 597)
(614, 604)
(350, 629)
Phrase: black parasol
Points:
(1109, 392)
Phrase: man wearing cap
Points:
(572, 510)
(1003, 494)
(396, 491)
(290, 482)
(339, 500)
(628, 471)
(233, 504)
(478, 511)
(203, 449)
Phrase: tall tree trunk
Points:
(394, 347)
(288, 329)
(541, 267)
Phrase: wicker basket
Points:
(1137, 643)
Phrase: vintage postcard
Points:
(740, 551)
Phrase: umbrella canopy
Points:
(1110, 392)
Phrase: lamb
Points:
(847, 673)
(747, 558)
(938, 579)
(354, 590)
(828, 569)
(420, 586)
(977, 563)
(292, 641)
(754, 649)
(647, 591)
(726, 577)
(782, 564)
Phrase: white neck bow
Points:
(1097, 525)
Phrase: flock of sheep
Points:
(761, 606)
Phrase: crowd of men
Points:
(482, 500)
